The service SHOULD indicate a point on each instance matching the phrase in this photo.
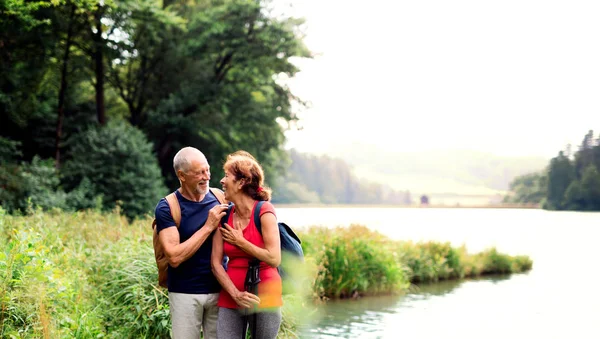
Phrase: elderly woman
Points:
(247, 248)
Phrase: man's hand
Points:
(215, 215)
(246, 299)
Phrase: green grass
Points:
(93, 275)
(356, 261)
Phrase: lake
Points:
(558, 298)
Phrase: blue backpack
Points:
(290, 242)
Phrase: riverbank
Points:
(354, 261)
(90, 274)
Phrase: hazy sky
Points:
(510, 77)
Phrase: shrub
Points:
(119, 166)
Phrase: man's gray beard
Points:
(201, 190)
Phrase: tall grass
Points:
(93, 275)
(355, 261)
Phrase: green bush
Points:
(432, 261)
(353, 261)
(495, 262)
(32, 184)
(118, 164)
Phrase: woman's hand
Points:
(234, 236)
(246, 299)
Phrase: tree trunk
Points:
(62, 93)
(99, 68)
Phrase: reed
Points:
(91, 274)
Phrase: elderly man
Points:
(193, 289)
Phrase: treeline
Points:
(322, 179)
(96, 97)
(570, 182)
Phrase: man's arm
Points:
(177, 252)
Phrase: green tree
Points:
(222, 91)
(560, 175)
(209, 74)
(117, 159)
(574, 199)
(590, 188)
(585, 155)
(528, 189)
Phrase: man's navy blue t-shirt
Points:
(193, 276)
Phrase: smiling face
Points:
(243, 176)
(231, 186)
(196, 176)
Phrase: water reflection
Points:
(446, 287)
(365, 317)
(547, 302)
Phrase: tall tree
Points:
(560, 175)
(219, 84)
(585, 154)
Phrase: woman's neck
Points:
(243, 205)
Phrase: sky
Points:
(507, 77)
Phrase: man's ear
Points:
(180, 176)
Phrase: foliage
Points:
(356, 261)
(32, 184)
(118, 162)
(432, 261)
(528, 189)
(91, 274)
(208, 74)
(571, 181)
(353, 261)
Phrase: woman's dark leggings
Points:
(231, 323)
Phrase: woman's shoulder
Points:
(267, 207)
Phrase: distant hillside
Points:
(440, 172)
(361, 175)
(322, 179)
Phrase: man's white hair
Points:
(183, 158)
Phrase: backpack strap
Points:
(219, 195)
(174, 207)
(257, 216)
(226, 217)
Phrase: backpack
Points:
(290, 242)
(162, 262)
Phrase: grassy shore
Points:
(93, 275)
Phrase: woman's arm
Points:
(244, 299)
(271, 254)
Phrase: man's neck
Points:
(192, 194)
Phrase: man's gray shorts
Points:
(192, 312)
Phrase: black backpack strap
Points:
(257, 216)
(226, 217)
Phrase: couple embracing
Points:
(203, 295)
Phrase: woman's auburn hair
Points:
(244, 166)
